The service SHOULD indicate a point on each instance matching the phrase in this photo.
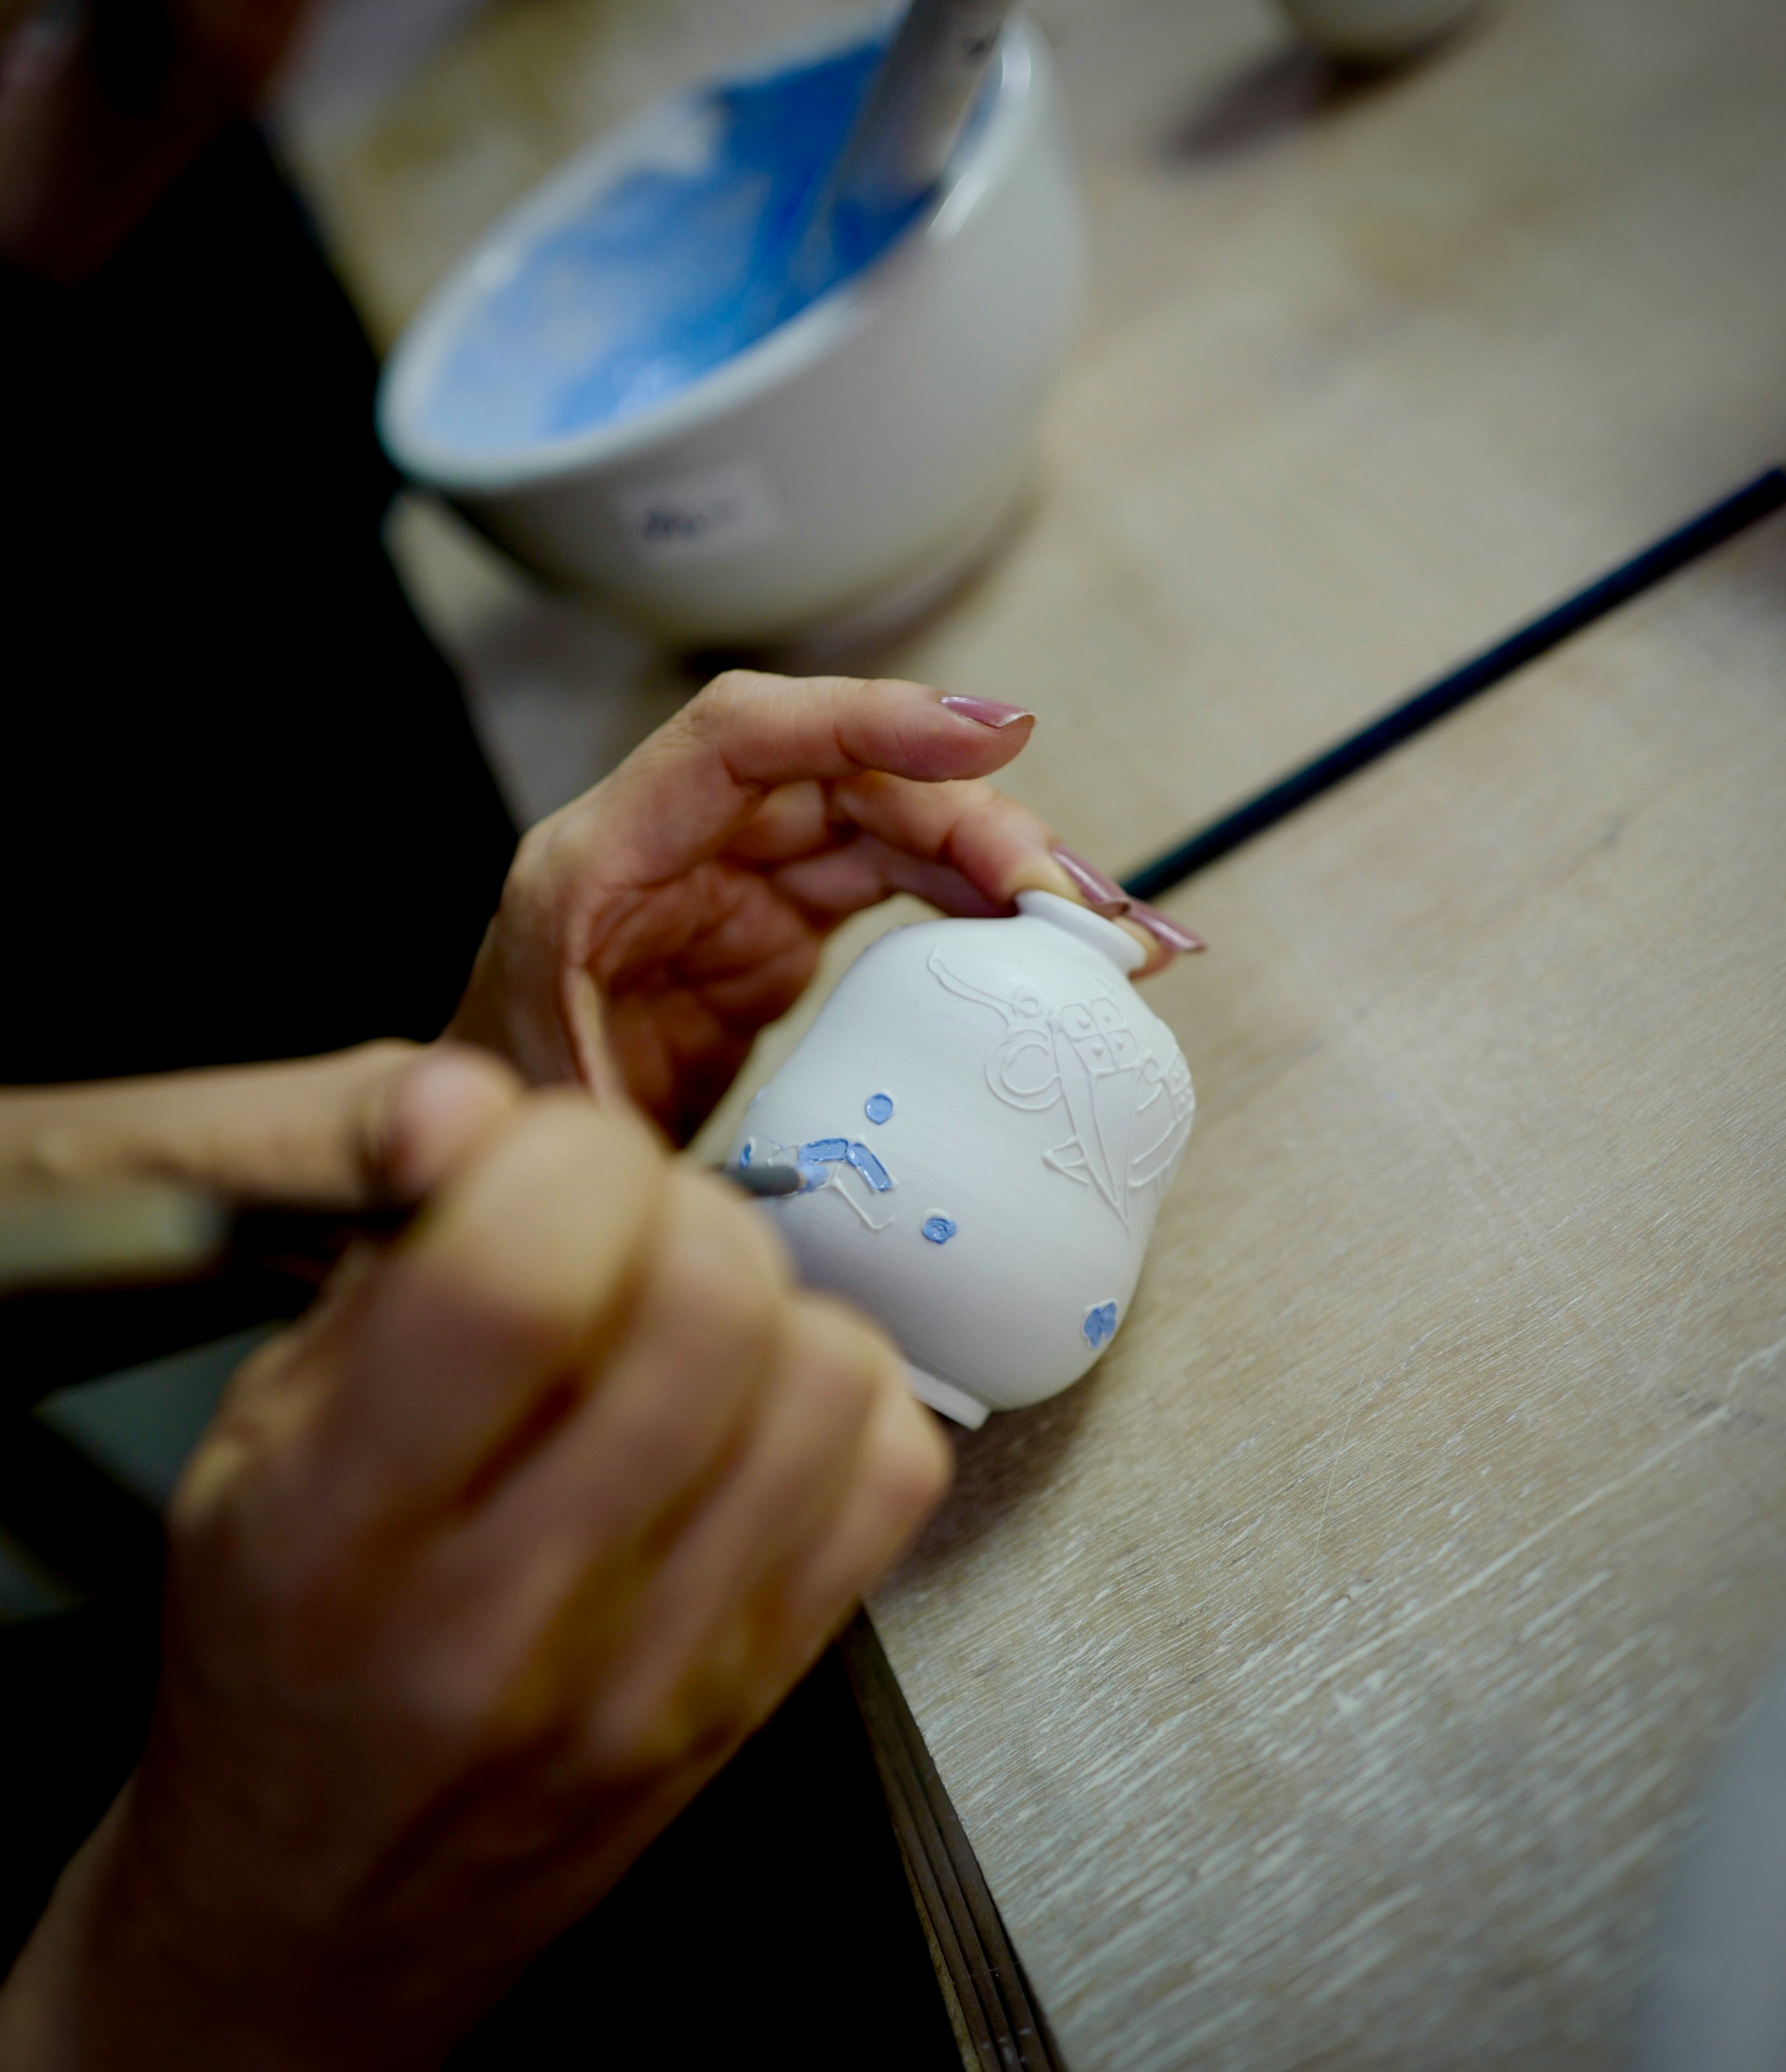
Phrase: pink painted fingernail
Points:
(1164, 928)
(989, 712)
(1101, 891)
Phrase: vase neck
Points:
(1121, 948)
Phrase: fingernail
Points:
(1102, 890)
(1164, 928)
(988, 711)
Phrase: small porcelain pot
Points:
(843, 469)
(986, 1116)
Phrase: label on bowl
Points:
(700, 516)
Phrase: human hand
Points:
(481, 1571)
(652, 927)
(336, 1132)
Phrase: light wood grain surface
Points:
(1367, 375)
(1321, 1682)
(1366, 383)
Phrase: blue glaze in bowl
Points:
(677, 265)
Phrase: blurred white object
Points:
(1718, 2001)
(859, 455)
(987, 1115)
(912, 119)
(144, 1230)
(1379, 31)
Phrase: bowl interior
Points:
(654, 260)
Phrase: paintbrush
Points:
(145, 1234)
(899, 146)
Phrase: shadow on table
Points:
(1000, 1466)
(1287, 90)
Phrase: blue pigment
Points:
(878, 1108)
(939, 1229)
(1100, 1325)
(823, 1151)
(677, 266)
(870, 1167)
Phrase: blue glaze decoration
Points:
(823, 1151)
(1100, 1325)
(940, 1229)
(878, 1108)
(675, 267)
(743, 1156)
(870, 1167)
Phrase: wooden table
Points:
(1323, 1682)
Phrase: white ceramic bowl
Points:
(863, 451)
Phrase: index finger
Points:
(697, 782)
(468, 1345)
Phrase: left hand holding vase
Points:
(650, 928)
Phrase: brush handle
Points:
(147, 1234)
(897, 149)
(918, 100)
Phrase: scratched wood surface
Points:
(1323, 1682)
(1368, 373)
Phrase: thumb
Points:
(433, 1116)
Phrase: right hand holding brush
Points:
(483, 1571)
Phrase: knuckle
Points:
(911, 1461)
(905, 1479)
(839, 1323)
(532, 867)
(925, 1467)
(716, 1264)
(839, 1361)
(541, 1250)
(726, 693)
(482, 1321)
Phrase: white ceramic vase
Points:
(987, 1114)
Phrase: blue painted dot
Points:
(878, 1108)
(1100, 1325)
(743, 1156)
(939, 1229)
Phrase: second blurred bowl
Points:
(1378, 31)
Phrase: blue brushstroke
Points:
(878, 1108)
(673, 270)
(743, 1156)
(1100, 1325)
(870, 1167)
(823, 1151)
(939, 1229)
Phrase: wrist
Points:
(119, 1974)
(304, 1133)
